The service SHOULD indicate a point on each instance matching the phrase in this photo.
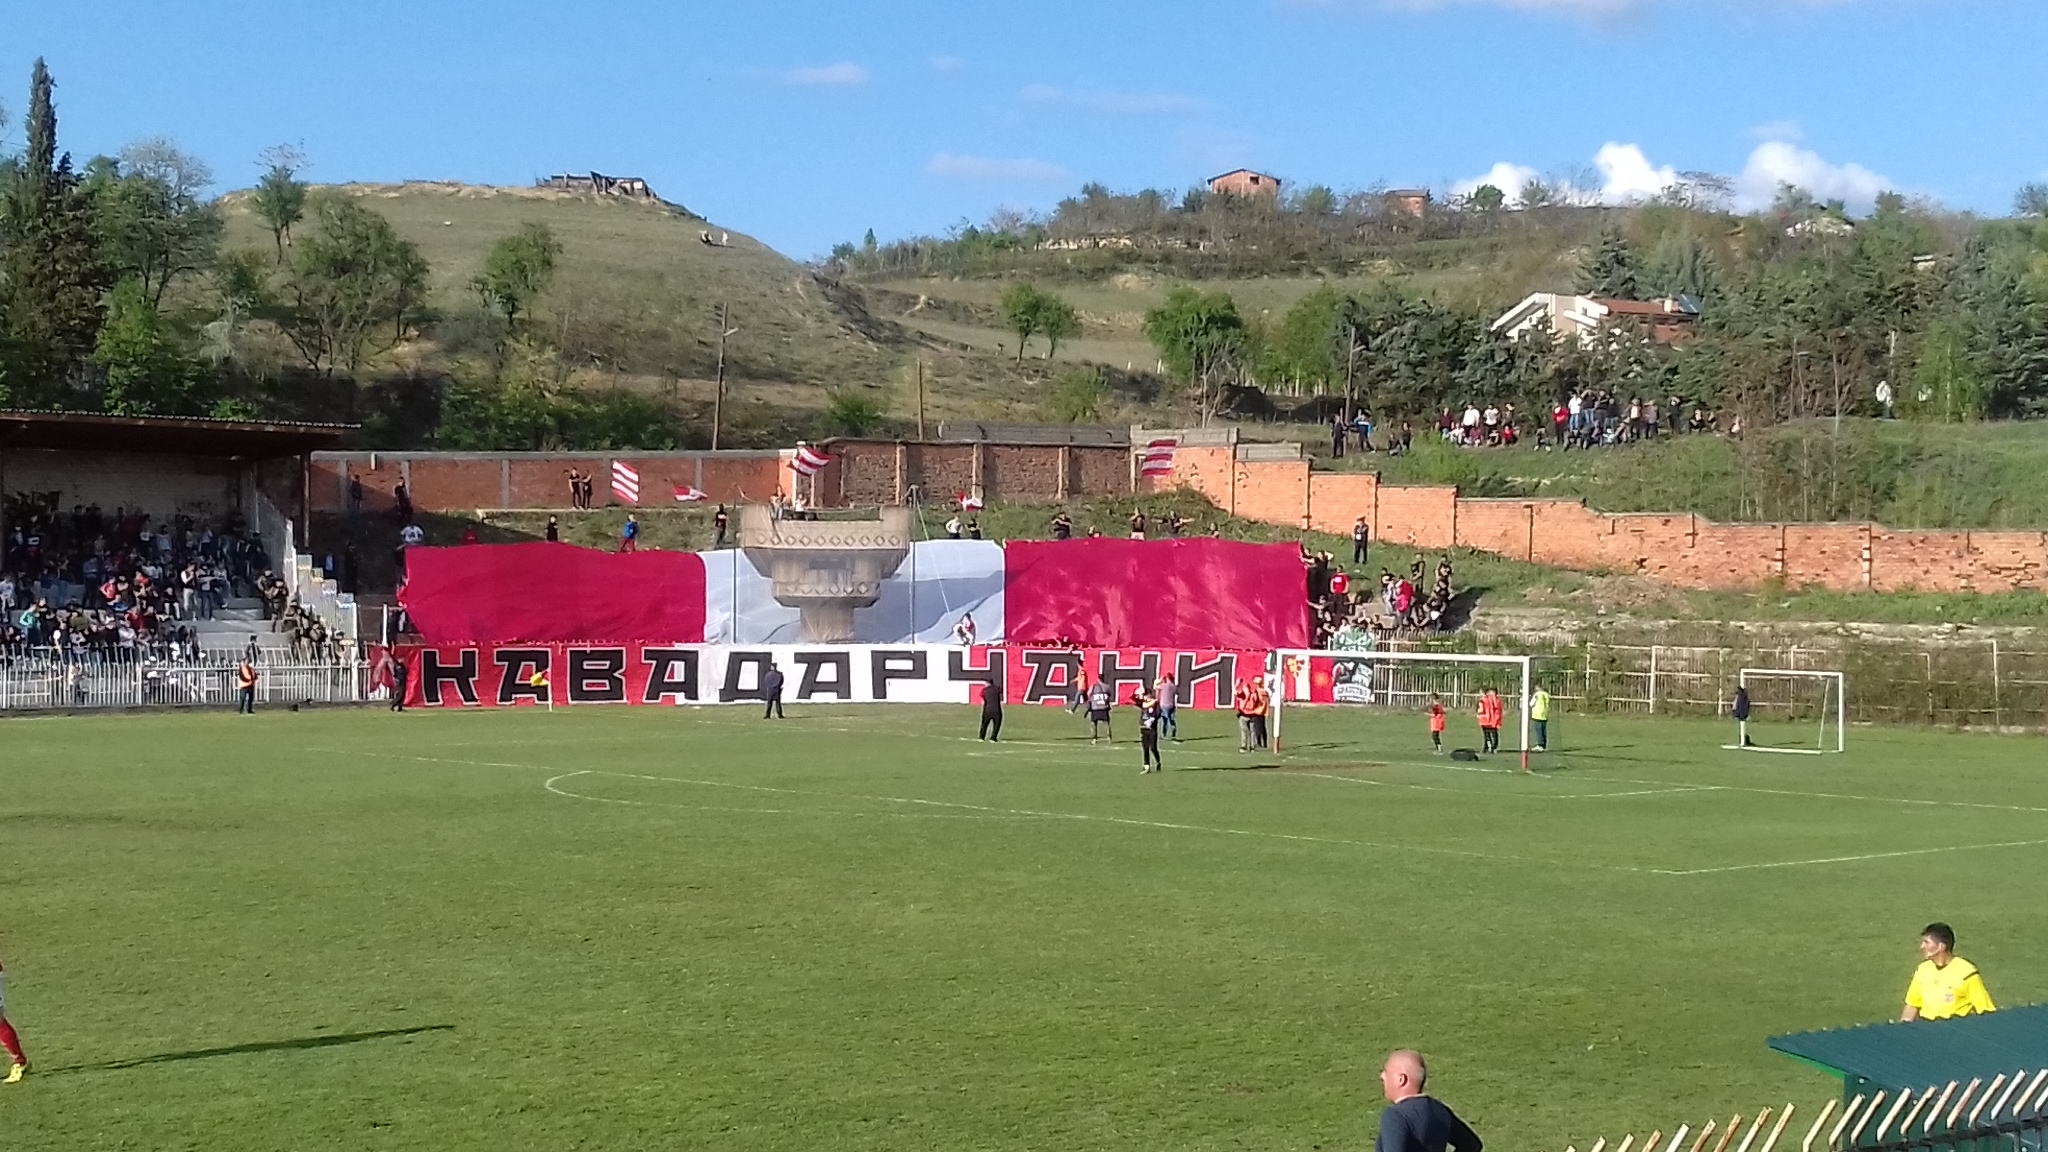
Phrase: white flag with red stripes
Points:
(1158, 459)
(692, 495)
(626, 482)
(970, 503)
(808, 460)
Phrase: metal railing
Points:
(39, 681)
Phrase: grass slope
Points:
(634, 928)
(636, 294)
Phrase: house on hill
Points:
(1671, 320)
(1412, 201)
(629, 187)
(1245, 182)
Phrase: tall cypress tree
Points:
(1610, 269)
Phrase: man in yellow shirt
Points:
(1945, 984)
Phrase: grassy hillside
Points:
(634, 305)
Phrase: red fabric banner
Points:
(1201, 593)
(547, 593)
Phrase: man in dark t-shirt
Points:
(771, 693)
(1414, 1122)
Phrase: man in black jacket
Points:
(771, 691)
(1414, 1122)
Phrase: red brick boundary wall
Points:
(466, 481)
(1680, 549)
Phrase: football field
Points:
(860, 929)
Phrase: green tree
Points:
(1057, 321)
(1488, 198)
(1317, 200)
(517, 271)
(2031, 200)
(849, 413)
(153, 223)
(1947, 383)
(1307, 346)
(354, 289)
(149, 366)
(1681, 264)
(280, 197)
(1199, 335)
(1078, 395)
(1023, 309)
(1610, 268)
(52, 276)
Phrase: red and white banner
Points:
(626, 481)
(691, 495)
(808, 460)
(1158, 459)
(508, 675)
(970, 503)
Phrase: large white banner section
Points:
(921, 602)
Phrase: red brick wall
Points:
(462, 481)
(1680, 549)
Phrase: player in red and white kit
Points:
(9, 1040)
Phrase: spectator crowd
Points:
(1582, 420)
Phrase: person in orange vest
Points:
(1436, 724)
(1241, 703)
(1262, 703)
(1490, 713)
(245, 680)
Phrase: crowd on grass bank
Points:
(1582, 420)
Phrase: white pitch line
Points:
(1846, 859)
(550, 782)
(1122, 820)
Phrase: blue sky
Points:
(805, 123)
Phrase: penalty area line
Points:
(1847, 859)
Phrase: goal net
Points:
(1406, 681)
(1792, 710)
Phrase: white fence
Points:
(35, 682)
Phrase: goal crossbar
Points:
(1525, 664)
(1840, 685)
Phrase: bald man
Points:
(1414, 1122)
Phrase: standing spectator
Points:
(1138, 524)
(1436, 724)
(974, 528)
(629, 536)
(1100, 698)
(1148, 733)
(402, 501)
(554, 534)
(1262, 703)
(720, 523)
(1470, 424)
(469, 535)
(245, 684)
(963, 632)
(399, 675)
(775, 507)
(1671, 414)
(991, 712)
(575, 476)
(1575, 407)
(1168, 693)
(1740, 710)
(1652, 424)
(1241, 703)
(771, 692)
(1361, 425)
(1490, 420)
(1491, 710)
(1884, 397)
(1945, 984)
(1539, 718)
(355, 496)
(1062, 527)
(1337, 437)
(1361, 539)
(1412, 1121)
(953, 527)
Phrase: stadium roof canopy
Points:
(1889, 1057)
(182, 435)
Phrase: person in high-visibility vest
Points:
(1490, 713)
(1539, 718)
(245, 680)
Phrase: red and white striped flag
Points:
(685, 492)
(808, 460)
(1158, 459)
(970, 503)
(626, 481)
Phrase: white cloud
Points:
(843, 73)
(947, 63)
(986, 168)
(1627, 175)
(1777, 162)
(1105, 100)
(1786, 130)
(1509, 178)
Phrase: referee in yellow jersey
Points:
(1945, 984)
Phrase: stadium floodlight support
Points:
(1525, 664)
(1834, 682)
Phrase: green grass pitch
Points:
(859, 929)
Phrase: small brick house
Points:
(1245, 182)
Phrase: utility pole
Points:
(1350, 366)
(920, 398)
(725, 329)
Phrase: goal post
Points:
(1290, 681)
(1791, 690)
